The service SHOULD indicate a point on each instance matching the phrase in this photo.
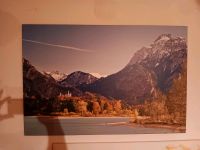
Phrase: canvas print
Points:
(104, 79)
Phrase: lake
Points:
(85, 126)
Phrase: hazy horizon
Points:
(102, 49)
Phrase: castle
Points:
(64, 96)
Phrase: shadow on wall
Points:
(51, 130)
(10, 29)
(198, 2)
(3, 101)
(15, 108)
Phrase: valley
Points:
(149, 90)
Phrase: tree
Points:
(102, 103)
(176, 102)
(81, 107)
(108, 107)
(96, 108)
(157, 108)
(89, 106)
(117, 106)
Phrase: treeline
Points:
(88, 105)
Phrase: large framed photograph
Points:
(104, 79)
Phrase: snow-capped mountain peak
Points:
(58, 76)
(163, 37)
(97, 75)
(162, 47)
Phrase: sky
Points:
(100, 49)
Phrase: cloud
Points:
(57, 45)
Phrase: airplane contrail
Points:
(61, 46)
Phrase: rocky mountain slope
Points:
(150, 69)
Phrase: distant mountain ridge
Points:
(78, 78)
(42, 85)
(58, 76)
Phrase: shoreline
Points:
(175, 127)
(71, 117)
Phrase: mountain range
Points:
(151, 69)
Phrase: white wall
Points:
(13, 13)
